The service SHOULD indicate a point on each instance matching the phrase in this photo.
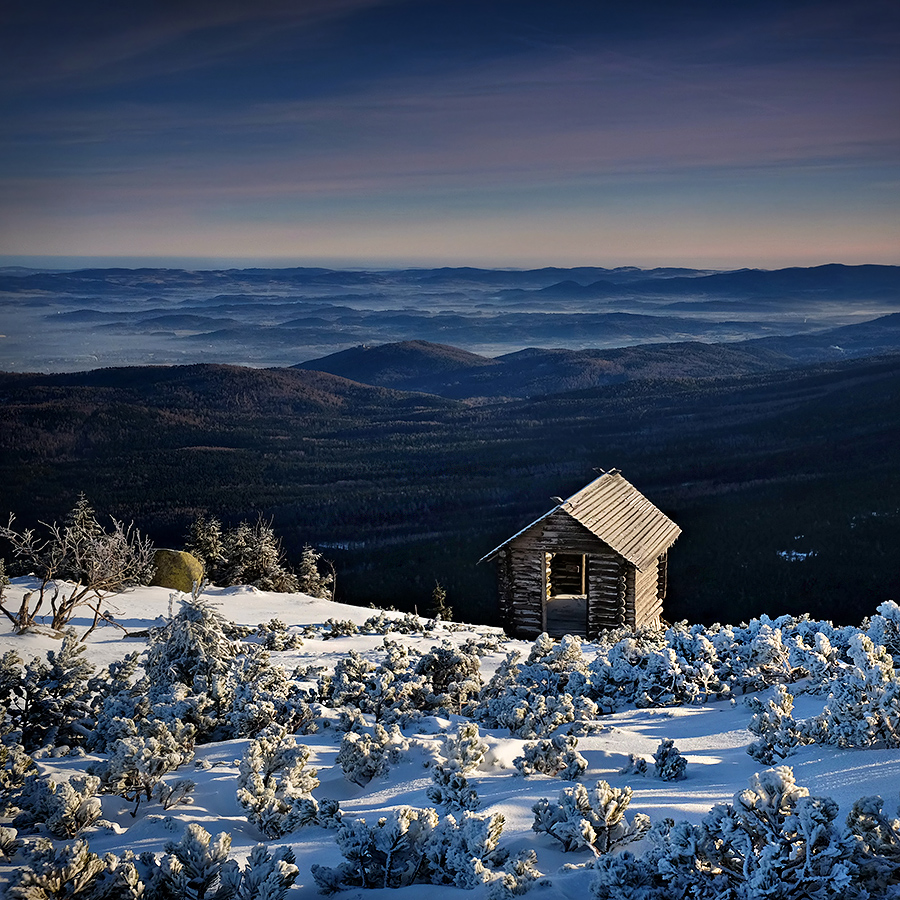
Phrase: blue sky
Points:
(365, 132)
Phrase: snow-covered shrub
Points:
(9, 842)
(668, 763)
(73, 871)
(363, 756)
(527, 699)
(49, 701)
(339, 628)
(884, 629)
(193, 643)
(464, 750)
(878, 842)
(863, 708)
(454, 674)
(274, 781)
(275, 636)
(519, 876)
(626, 877)
(170, 795)
(64, 808)
(462, 753)
(414, 846)
(556, 756)
(197, 867)
(636, 765)
(451, 788)
(819, 659)
(773, 840)
(257, 693)
(138, 762)
(15, 767)
(592, 819)
(779, 733)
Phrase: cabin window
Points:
(566, 575)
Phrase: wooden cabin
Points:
(595, 561)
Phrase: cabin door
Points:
(565, 594)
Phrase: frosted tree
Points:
(310, 579)
(193, 643)
(205, 540)
(77, 563)
(668, 763)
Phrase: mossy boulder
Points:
(177, 569)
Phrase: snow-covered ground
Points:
(713, 737)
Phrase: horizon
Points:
(213, 264)
(404, 134)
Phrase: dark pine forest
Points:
(402, 490)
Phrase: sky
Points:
(450, 132)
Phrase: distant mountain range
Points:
(68, 321)
(451, 372)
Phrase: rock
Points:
(177, 569)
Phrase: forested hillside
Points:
(786, 484)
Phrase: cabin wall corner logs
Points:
(618, 594)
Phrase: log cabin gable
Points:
(593, 562)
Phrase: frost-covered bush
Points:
(464, 750)
(411, 846)
(363, 756)
(255, 693)
(138, 761)
(451, 789)
(773, 840)
(884, 629)
(863, 708)
(73, 871)
(557, 756)
(636, 765)
(275, 636)
(15, 767)
(519, 876)
(462, 753)
(49, 701)
(198, 868)
(527, 700)
(779, 733)
(339, 628)
(64, 808)
(275, 783)
(454, 675)
(193, 643)
(594, 820)
(878, 842)
(668, 763)
(77, 563)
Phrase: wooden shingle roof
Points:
(619, 515)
